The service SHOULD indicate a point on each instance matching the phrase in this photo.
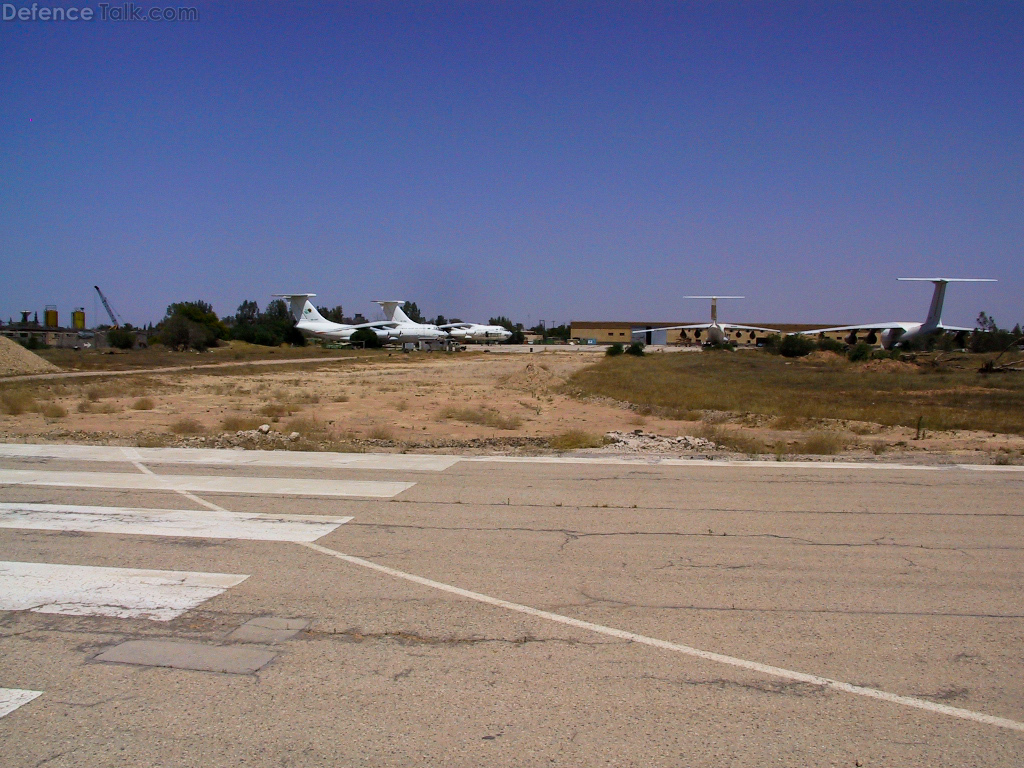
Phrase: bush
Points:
(862, 351)
(795, 345)
(366, 337)
(636, 349)
(772, 343)
(575, 438)
(614, 349)
(831, 345)
(120, 338)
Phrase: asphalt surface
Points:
(515, 613)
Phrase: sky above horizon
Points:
(543, 161)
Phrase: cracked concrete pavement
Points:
(901, 580)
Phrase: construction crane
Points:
(114, 318)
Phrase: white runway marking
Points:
(167, 522)
(12, 698)
(282, 486)
(754, 666)
(225, 457)
(127, 593)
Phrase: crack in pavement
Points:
(792, 688)
(405, 637)
(574, 535)
(593, 601)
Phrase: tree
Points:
(986, 322)
(413, 312)
(191, 325)
(335, 315)
(440, 320)
(121, 338)
(505, 323)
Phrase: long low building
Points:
(609, 332)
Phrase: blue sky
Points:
(551, 161)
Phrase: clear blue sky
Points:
(538, 160)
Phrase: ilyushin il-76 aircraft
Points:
(486, 334)
(308, 320)
(406, 329)
(890, 334)
(715, 332)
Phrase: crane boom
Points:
(106, 306)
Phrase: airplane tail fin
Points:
(939, 294)
(300, 305)
(393, 311)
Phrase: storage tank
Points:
(78, 318)
(50, 316)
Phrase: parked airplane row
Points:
(396, 328)
(887, 334)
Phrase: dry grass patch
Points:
(277, 410)
(946, 397)
(381, 433)
(144, 404)
(235, 423)
(732, 439)
(575, 438)
(482, 416)
(186, 427)
(820, 444)
(54, 411)
(15, 402)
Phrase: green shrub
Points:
(366, 337)
(862, 351)
(120, 338)
(614, 349)
(827, 344)
(795, 345)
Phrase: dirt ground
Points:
(470, 402)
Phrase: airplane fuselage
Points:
(481, 333)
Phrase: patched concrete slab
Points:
(231, 659)
(268, 629)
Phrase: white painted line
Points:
(205, 483)
(12, 698)
(754, 666)
(227, 457)
(127, 593)
(139, 521)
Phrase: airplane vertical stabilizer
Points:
(300, 306)
(393, 311)
(934, 319)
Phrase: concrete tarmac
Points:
(517, 613)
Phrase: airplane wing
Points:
(955, 328)
(639, 331)
(862, 327)
(376, 324)
(730, 326)
(457, 325)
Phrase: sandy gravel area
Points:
(470, 402)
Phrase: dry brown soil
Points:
(468, 402)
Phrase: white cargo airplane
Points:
(406, 329)
(890, 334)
(714, 332)
(308, 320)
(477, 332)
